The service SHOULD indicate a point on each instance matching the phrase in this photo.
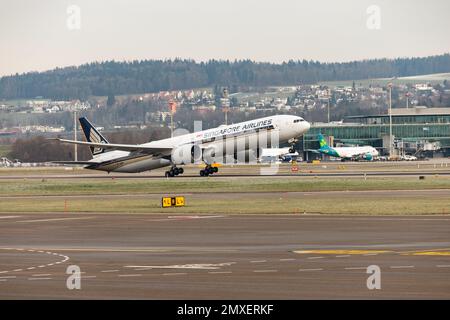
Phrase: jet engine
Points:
(186, 154)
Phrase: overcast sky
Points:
(38, 35)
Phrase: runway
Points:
(218, 176)
(324, 169)
(222, 256)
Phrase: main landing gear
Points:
(208, 170)
(174, 171)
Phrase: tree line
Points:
(139, 76)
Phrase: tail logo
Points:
(322, 142)
(94, 137)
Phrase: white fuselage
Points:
(226, 140)
(350, 152)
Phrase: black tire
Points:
(210, 170)
(215, 169)
(171, 173)
(202, 173)
(167, 174)
(291, 150)
(180, 170)
(176, 171)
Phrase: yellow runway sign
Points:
(168, 202)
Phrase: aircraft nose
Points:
(307, 125)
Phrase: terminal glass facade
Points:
(370, 130)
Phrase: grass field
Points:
(226, 196)
(250, 204)
(213, 185)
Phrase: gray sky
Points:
(34, 34)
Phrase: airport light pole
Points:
(225, 104)
(390, 119)
(75, 134)
(328, 109)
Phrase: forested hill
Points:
(103, 78)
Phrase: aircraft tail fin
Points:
(322, 142)
(92, 135)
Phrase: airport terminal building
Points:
(420, 131)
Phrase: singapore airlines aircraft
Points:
(240, 141)
(347, 153)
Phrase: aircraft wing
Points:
(123, 147)
(76, 162)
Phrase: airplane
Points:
(347, 153)
(239, 141)
(278, 154)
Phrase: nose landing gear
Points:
(292, 142)
(174, 171)
(209, 170)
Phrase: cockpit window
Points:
(298, 120)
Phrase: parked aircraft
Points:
(347, 153)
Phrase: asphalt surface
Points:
(135, 176)
(324, 169)
(223, 256)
